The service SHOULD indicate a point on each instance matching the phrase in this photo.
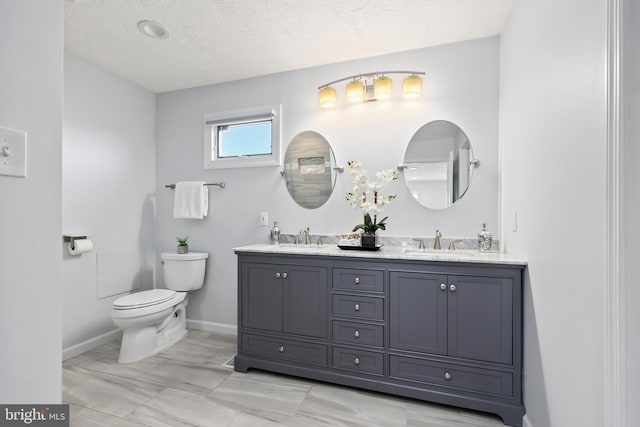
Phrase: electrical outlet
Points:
(264, 218)
(514, 221)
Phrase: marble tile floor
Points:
(190, 385)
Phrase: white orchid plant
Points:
(369, 196)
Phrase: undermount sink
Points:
(299, 246)
(421, 251)
(430, 251)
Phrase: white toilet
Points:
(154, 320)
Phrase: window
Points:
(243, 138)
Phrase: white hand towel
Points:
(191, 200)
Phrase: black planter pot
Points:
(369, 240)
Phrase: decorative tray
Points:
(360, 248)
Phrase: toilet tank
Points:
(183, 272)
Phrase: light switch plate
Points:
(13, 152)
(264, 218)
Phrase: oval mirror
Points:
(438, 164)
(309, 169)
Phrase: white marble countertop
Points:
(388, 252)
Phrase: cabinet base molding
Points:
(510, 414)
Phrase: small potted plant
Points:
(183, 246)
(369, 228)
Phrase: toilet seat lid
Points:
(143, 299)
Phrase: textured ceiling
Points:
(213, 41)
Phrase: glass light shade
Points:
(327, 97)
(382, 87)
(355, 91)
(412, 87)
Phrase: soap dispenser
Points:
(275, 234)
(484, 239)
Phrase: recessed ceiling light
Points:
(153, 29)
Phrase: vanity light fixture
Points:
(411, 86)
(153, 29)
(380, 87)
(355, 91)
(327, 97)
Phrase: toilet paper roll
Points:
(80, 246)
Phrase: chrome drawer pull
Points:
(443, 287)
(447, 376)
(281, 349)
(356, 361)
(356, 307)
(278, 274)
(356, 334)
(284, 275)
(452, 288)
(356, 280)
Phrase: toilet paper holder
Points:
(72, 238)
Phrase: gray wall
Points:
(108, 185)
(30, 249)
(461, 85)
(552, 112)
(631, 147)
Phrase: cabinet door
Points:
(481, 318)
(305, 291)
(418, 312)
(261, 290)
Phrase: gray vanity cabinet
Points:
(446, 332)
(461, 316)
(417, 312)
(284, 298)
(480, 318)
(261, 292)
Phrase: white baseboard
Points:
(89, 344)
(74, 350)
(221, 328)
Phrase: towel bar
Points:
(219, 184)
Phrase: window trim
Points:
(234, 117)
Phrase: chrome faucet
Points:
(307, 237)
(436, 243)
(420, 243)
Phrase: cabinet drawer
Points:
(285, 349)
(358, 333)
(358, 279)
(451, 375)
(357, 306)
(369, 362)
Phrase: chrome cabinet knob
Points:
(281, 349)
(278, 274)
(452, 288)
(356, 361)
(356, 307)
(284, 275)
(447, 376)
(443, 287)
(356, 280)
(356, 334)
